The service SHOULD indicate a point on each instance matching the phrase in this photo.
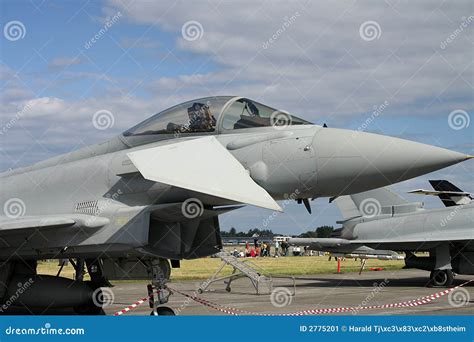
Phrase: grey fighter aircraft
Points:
(128, 207)
(378, 222)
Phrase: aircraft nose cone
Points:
(377, 160)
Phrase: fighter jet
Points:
(128, 207)
(378, 223)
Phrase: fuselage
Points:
(419, 231)
(308, 159)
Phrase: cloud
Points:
(36, 128)
(5, 72)
(62, 62)
(320, 62)
(44, 106)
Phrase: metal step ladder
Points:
(263, 284)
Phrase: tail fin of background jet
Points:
(444, 185)
(347, 207)
(384, 196)
(450, 194)
(447, 192)
(370, 203)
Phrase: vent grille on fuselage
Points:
(88, 207)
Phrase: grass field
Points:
(283, 266)
(52, 268)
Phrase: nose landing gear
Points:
(157, 291)
(162, 311)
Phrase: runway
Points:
(311, 292)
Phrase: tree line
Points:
(319, 232)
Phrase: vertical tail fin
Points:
(447, 192)
(450, 194)
(347, 207)
(384, 196)
(369, 203)
(444, 185)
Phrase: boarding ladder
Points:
(263, 284)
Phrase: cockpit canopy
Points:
(189, 117)
(213, 114)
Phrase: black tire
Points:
(163, 311)
(441, 278)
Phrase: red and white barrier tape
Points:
(133, 306)
(233, 311)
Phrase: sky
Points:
(327, 62)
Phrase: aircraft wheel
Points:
(228, 289)
(441, 278)
(163, 311)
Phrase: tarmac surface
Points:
(311, 292)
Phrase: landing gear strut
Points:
(157, 290)
(442, 275)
